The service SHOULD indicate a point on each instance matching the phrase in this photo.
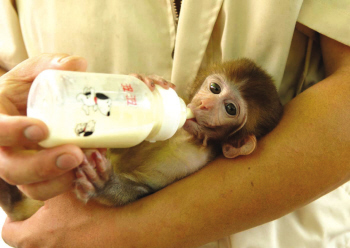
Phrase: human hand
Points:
(64, 221)
(39, 173)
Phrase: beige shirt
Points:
(136, 36)
(143, 37)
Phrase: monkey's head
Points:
(234, 104)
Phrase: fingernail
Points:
(103, 151)
(85, 161)
(34, 133)
(63, 59)
(97, 156)
(67, 161)
(152, 84)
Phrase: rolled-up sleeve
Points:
(12, 47)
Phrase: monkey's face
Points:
(218, 107)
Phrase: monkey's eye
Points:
(215, 88)
(231, 109)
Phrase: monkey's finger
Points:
(48, 189)
(84, 189)
(151, 85)
(161, 81)
(92, 167)
(103, 167)
(103, 151)
(20, 167)
(152, 80)
(81, 193)
(138, 76)
(21, 131)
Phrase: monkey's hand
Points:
(152, 80)
(92, 174)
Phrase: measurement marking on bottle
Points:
(131, 100)
(127, 88)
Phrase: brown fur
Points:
(257, 89)
(16, 205)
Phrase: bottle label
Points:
(85, 129)
(96, 101)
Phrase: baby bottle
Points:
(95, 110)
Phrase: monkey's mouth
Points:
(192, 119)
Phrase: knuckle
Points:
(147, 80)
(163, 80)
(41, 168)
(43, 171)
(6, 136)
(156, 78)
(138, 76)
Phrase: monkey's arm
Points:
(132, 173)
(305, 157)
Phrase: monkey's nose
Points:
(206, 104)
(202, 107)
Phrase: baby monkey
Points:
(234, 104)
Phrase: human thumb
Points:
(29, 69)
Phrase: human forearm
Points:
(302, 159)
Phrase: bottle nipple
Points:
(189, 113)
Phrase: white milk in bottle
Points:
(93, 110)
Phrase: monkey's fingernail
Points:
(79, 173)
(85, 161)
(34, 133)
(103, 151)
(67, 161)
(97, 157)
(152, 84)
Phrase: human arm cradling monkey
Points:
(292, 166)
(234, 104)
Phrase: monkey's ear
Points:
(246, 146)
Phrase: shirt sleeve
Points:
(12, 48)
(328, 17)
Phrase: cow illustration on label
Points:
(85, 129)
(95, 100)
